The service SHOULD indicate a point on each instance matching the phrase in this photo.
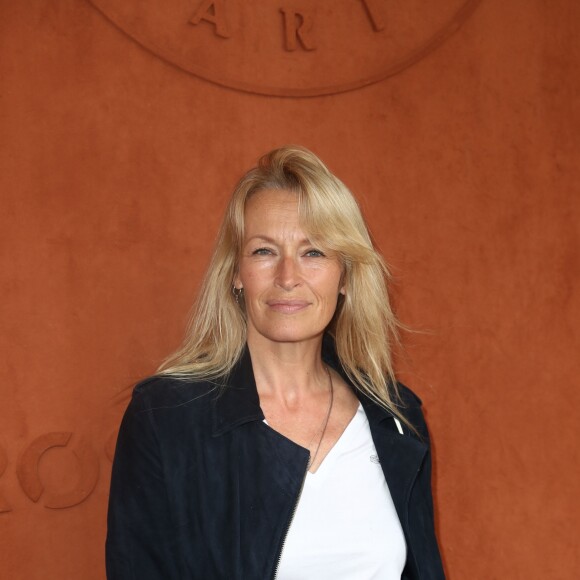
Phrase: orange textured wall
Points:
(115, 166)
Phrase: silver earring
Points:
(237, 292)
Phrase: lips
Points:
(288, 306)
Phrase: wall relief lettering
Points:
(4, 505)
(214, 12)
(30, 480)
(297, 29)
(291, 48)
(375, 13)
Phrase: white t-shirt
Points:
(345, 526)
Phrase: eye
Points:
(262, 252)
(314, 254)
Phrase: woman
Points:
(275, 443)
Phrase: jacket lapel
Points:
(401, 457)
(237, 400)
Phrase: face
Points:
(291, 287)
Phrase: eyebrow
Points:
(270, 240)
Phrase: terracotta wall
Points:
(116, 163)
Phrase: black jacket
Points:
(203, 489)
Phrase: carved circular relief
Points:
(294, 48)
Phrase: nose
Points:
(288, 273)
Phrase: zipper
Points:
(279, 558)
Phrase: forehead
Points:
(272, 199)
(271, 209)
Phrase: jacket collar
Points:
(237, 401)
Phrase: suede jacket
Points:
(203, 489)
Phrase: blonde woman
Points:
(276, 442)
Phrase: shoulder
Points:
(169, 409)
(161, 392)
(408, 397)
(411, 407)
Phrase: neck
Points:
(288, 371)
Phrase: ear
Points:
(342, 289)
(237, 282)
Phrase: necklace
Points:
(324, 424)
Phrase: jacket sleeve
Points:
(140, 536)
(421, 503)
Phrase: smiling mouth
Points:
(288, 306)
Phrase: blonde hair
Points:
(364, 326)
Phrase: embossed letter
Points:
(213, 11)
(374, 14)
(297, 27)
(27, 471)
(4, 505)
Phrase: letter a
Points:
(213, 11)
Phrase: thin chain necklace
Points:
(325, 423)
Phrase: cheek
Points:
(254, 281)
(250, 267)
(334, 279)
(329, 290)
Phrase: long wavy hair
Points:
(364, 327)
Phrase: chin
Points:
(290, 335)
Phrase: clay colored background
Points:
(115, 167)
